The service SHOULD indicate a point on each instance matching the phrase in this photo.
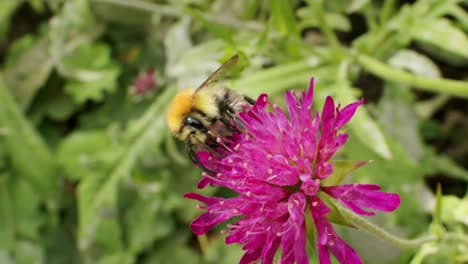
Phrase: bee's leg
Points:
(249, 100)
(194, 158)
(228, 124)
(239, 125)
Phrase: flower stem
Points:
(386, 11)
(364, 224)
(203, 242)
(440, 85)
(310, 228)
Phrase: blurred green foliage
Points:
(90, 174)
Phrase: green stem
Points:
(326, 29)
(441, 85)
(370, 17)
(145, 6)
(203, 243)
(377, 231)
(386, 11)
(310, 228)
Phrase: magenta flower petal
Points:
(145, 82)
(275, 164)
(347, 113)
(295, 231)
(327, 239)
(356, 196)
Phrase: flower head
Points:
(145, 82)
(277, 165)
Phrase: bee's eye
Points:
(195, 123)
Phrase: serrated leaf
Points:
(341, 168)
(98, 194)
(92, 72)
(146, 222)
(28, 67)
(442, 34)
(83, 153)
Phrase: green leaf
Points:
(29, 217)
(438, 206)
(163, 252)
(98, 194)
(433, 163)
(399, 120)
(117, 258)
(6, 258)
(30, 155)
(334, 215)
(440, 85)
(145, 222)
(282, 77)
(283, 18)
(401, 174)
(28, 67)
(220, 252)
(84, 153)
(336, 21)
(29, 252)
(7, 217)
(221, 31)
(362, 124)
(356, 5)
(7, 8)
(57, 106)
(91, 71)
(442, 34)
(461, 213)
(450, 205)
(341, 168)
(415, 62)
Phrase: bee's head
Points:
(190, 115)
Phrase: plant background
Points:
(90, 174)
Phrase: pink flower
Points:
(145, 82)
(276, 165)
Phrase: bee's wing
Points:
(216, 75)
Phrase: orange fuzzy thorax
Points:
(184, 103)
(178, 110)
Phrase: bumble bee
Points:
(199, 116)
